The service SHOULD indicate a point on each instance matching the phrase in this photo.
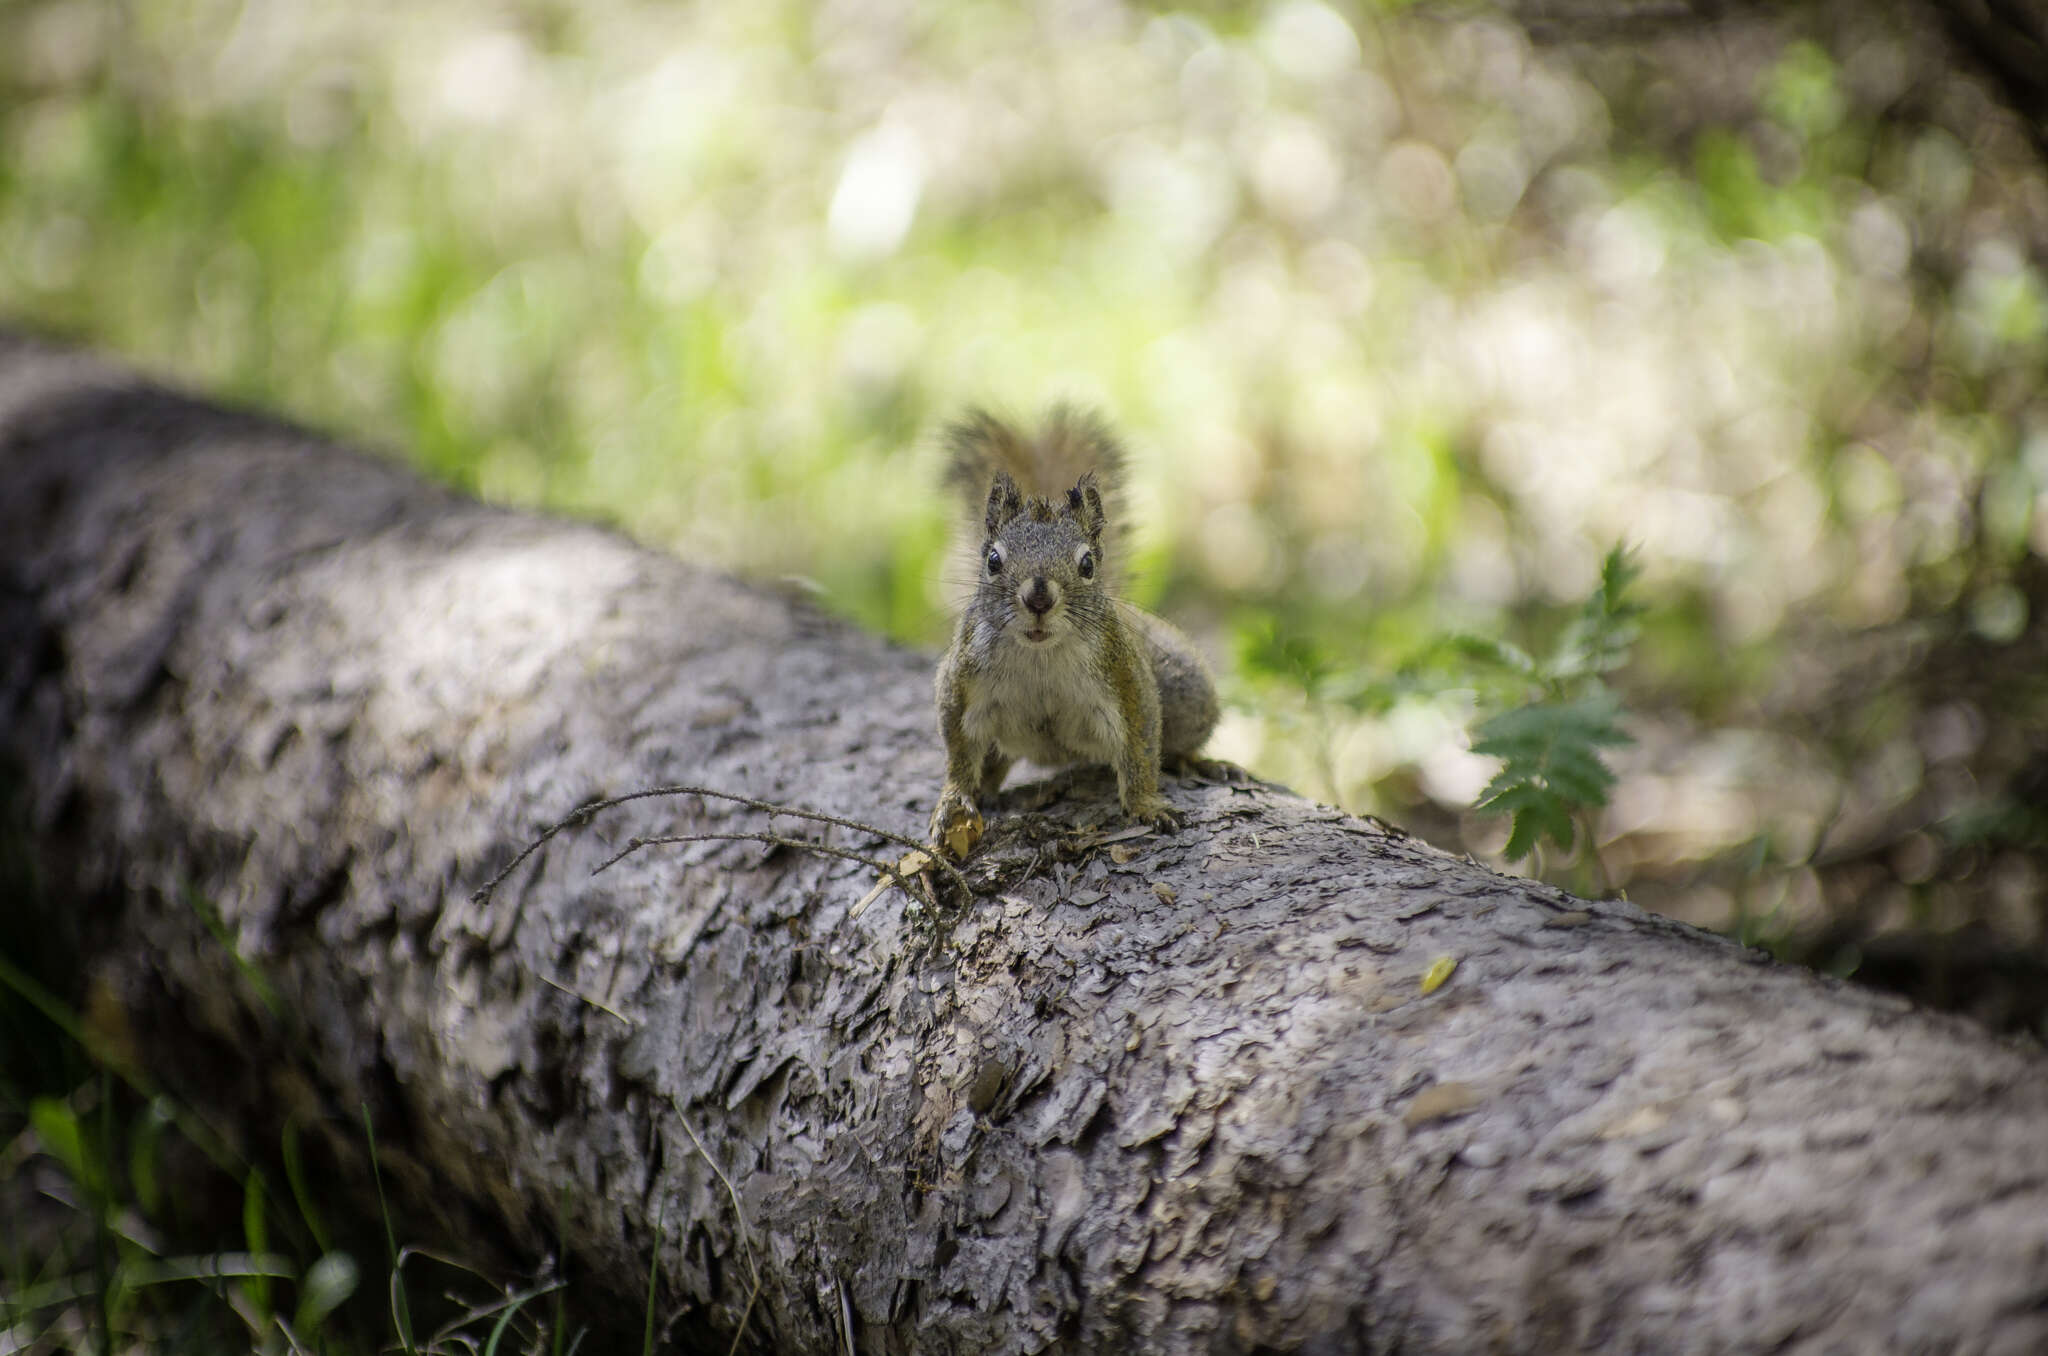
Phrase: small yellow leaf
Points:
(1644, 1120)
(962, 832)
(1441, 1102)
(912, 863)
(1439, 970)
(870, 897)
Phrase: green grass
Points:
(125, 1239)
(136, 1224)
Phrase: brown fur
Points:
(1047, 663)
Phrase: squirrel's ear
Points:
(1004, 502)
(1084, 501)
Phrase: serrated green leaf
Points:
(1617, 572)
(1522, 837)
(1551, 767)
(1495, 799)
(1512, 798)
(1600, 637)
(1488, 650)
(1538, 820)
(1522, 723)
(1578, 774)
(1512, 745)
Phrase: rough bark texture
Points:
(1172, 1094)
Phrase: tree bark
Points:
(1163, 1094)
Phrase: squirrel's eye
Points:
(995, 560)
(1087, 565)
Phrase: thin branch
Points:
(746, 1232)
(769, 808)
(745, 1314)
(633, 845)
(583, 814)
(583, 997)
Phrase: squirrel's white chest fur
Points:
(1046, 703)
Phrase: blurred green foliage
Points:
(1407, 319)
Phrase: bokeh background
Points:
(1409, 314)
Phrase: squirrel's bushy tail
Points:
(1070, 443)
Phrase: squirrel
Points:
(1047, 663)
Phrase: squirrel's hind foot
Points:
(956, 825)
(1155, 812)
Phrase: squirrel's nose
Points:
(1038, 596)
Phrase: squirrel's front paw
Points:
(956, 824)
(1156, 812)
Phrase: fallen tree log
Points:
(1154, 1094)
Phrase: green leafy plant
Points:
(1552, 769)
(130, 1244)
(1550, 745)
(1549, 717)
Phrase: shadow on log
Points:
(1165, 1094)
